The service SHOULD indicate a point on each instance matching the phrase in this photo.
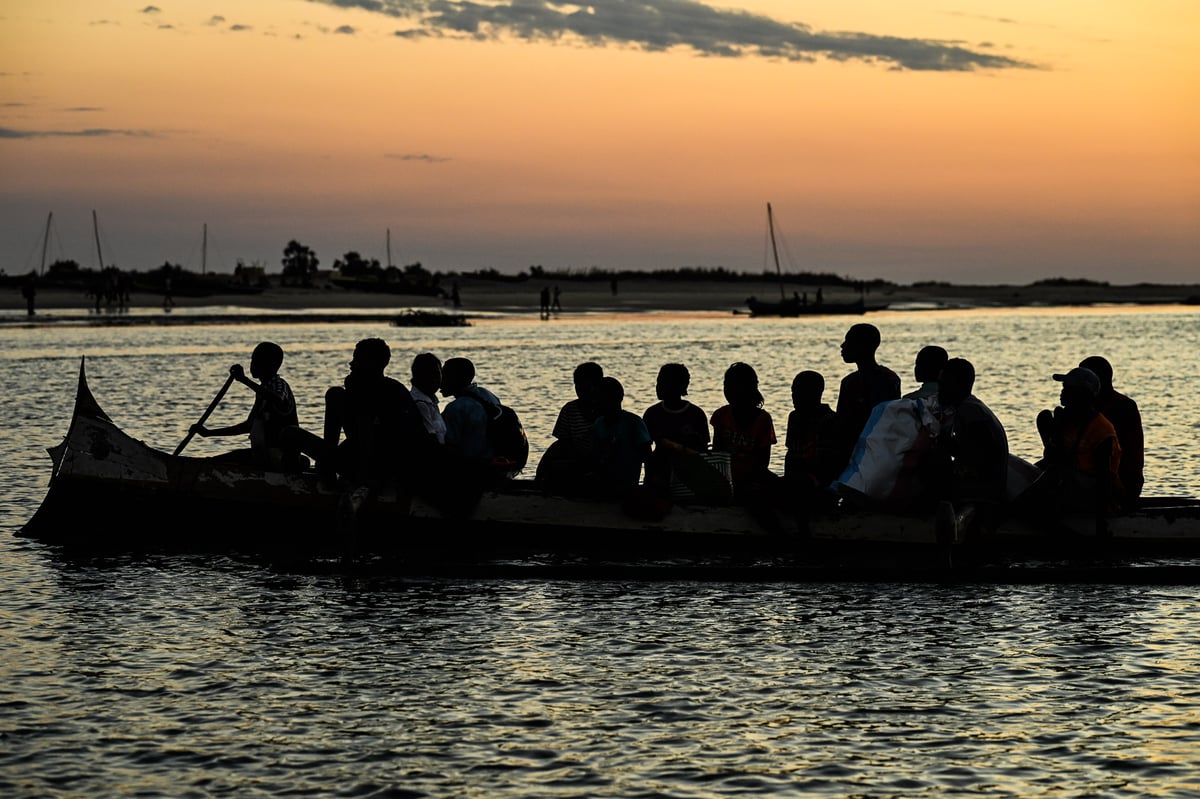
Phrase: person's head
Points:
(266, 360)
(427, 372)
(1080, 387)
(587, 377)
(741, 386)
(457, 376)
(930, 361)
(1102, 369)
(609, 394)
(955, 381)
(371, 356)
(807, 388)
(673, 381)
(862, 340)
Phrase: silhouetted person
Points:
(930, 361)
(972, 440)
(620, 443)
(1082, 456)
(467, 417)
(861, 390)
(565, 463)
(1126, 419)
(426, 381)
(385, 440)
(29, 291)
(744, 430)
(271, 417)
(556, 305)
(545, 302)
(813, 457)
(455, 298)
(676, 425)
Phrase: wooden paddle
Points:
(212, 406)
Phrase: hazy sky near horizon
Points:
(974, 141)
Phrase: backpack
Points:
(506, 435)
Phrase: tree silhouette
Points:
(299, 264)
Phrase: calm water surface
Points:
(186, 676)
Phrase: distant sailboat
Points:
(796, 305)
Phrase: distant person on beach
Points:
(271, 417)
(870, 384)
(930, 361)
(545, 302)
(1082, 455)
(565, 463)
(677, 426)
(620, 443)
(455, 298)
(385, 439)
(29, 291)
(1126, 419)
(556, 305)
(744, 430)
(426, 381)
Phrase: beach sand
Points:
(481, 295)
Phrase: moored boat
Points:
(109, 490)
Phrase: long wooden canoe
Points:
(109, 490)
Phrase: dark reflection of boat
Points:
(419, 318)
(108, 490)
(796, 306)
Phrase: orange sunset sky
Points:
(973, 141)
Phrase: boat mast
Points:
(204, 251)
(46, 242)
(389, 248)
(774, 249)
(96, 231)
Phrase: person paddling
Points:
(273, 412)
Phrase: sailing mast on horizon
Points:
(96, 232)
(46, 243)
(775, 250)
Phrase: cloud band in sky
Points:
(657, 25)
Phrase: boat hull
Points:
(110, 491)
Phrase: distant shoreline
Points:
(502, 297)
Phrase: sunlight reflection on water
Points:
(188, 675)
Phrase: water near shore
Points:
(191, 676)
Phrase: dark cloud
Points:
(424, 157)
(657, 25)
(87, 133)
(346, 29)
(151, 10)
(216, 19)
(240, 28)
(83, 109)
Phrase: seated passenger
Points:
(870, 384)
(930, 361)
(426, 380)
(620, 443)
(744, 430)
(271, 416)
(467, 419)
(972, 439)
(1126, 419)
(385, 441)
(565, 463)
(678, 427)
(813, 457)
(1081, 453)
